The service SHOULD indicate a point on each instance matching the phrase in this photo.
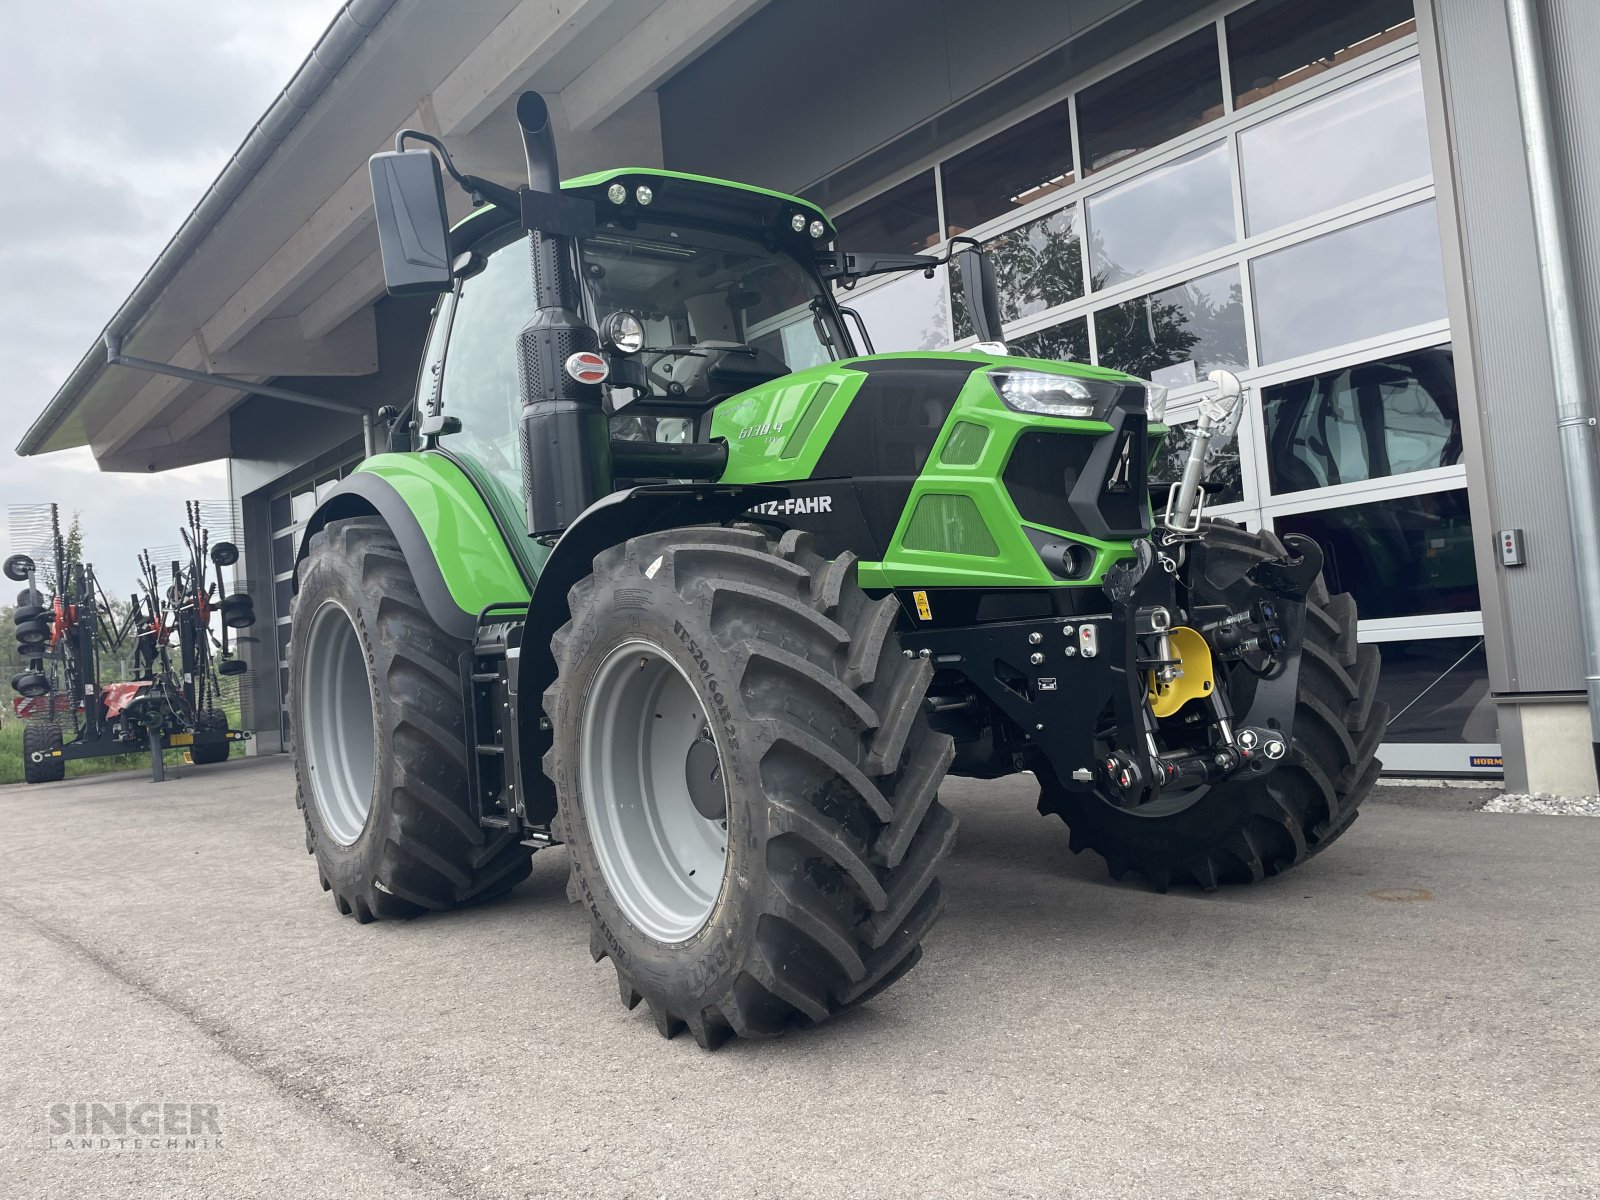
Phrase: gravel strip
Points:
(1545, 804)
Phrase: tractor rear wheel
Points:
(1247, 828)
(379, 748)
(42, 738)
(747, 784)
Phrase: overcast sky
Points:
(117, 117)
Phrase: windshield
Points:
(689, 286)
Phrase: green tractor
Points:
(666, 565)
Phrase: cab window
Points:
(479, 385)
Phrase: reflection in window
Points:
(903, 220)
(1066, 342)
(1380, 276)
(1174, 212)
(1437, 691)
(1014, 167)
(1165, 94)
(1356, 142)
(908, 313)
(1400, 558)
(1275, 44)
(1036, 266)
(1369, 421)
(1177, 335)
(1224, 485)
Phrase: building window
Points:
(1437, 691)
(1031, 159)
(903, 220)
(1179, 210)
(1399, 558)
(1066, 342)
(1275, 44)
(1177, 335)
(1369, 421)
(1037, 266)
(1158, 98)
(1382, 275)
(1362, 139)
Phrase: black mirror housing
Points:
(413, 229)
(980, 292)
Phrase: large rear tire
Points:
(379, 749)
(42, 738)
(747, 784)
(1248, 828)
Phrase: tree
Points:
(71, 555)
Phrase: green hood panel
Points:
(959, 526)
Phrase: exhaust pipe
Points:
(565, 435)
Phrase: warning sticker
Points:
(923, 611)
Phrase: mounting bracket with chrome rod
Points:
(117, 358)
(1217, 423)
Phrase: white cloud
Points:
(118, 116)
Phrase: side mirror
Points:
(413, 230)
(981, 295)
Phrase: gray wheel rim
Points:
(663, 861)
(334, 723)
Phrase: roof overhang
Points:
(276, 271)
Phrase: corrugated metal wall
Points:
(1530, 612)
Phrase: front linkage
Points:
(1084, 690)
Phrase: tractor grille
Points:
(1045, 466)
(1092, 485)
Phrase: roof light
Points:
(643, 194)
(818, 229)
(798, 222)
(616, 193)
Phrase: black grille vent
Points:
(1044, 468)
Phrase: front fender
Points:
(456, 552)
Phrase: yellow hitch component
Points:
(1196, 681)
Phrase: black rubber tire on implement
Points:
(42, 736)
(420, 847)
(31, 597)
(834, 830)
(24, 613)
(33, 633)
(1246, 829)
(203, 754)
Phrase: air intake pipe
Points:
(566, 445)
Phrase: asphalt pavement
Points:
(1412, 1013)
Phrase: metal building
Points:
(1329, 197)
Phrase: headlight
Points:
(623, 332)
(1055, 395)
(1155, 402)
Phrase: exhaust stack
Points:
(565, 436)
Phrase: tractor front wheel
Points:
(379, 737)
(1248, 827)
(747, 784)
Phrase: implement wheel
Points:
(1247, 828)
(379, 747)
(41, 753)
(747, 784)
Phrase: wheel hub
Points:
(654, 799)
